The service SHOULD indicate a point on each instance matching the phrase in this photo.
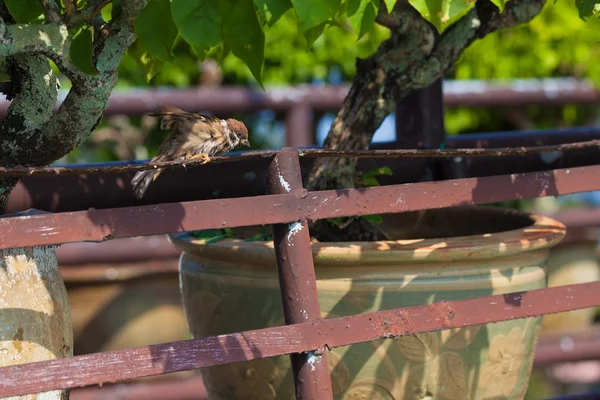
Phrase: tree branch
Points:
(51, 11)
(50, 40)
(89, 12)
(413, 57)
(70, 9)
(82, 109)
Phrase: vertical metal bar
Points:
(420, 118)
(420, 125)
(298, 126)
(297, 279)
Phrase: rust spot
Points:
(451, 315)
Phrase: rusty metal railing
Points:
(476, 177)
(283, 206)
(298, 103)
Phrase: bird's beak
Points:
(245, 142)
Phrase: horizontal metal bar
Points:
(186, 355)
(117, 252)
(101, 225)
(310, 153)
(457, 93)
(518, 92)
(570, 350)
(527, 138)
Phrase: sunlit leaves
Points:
(272, 9)
(199, 23)
(389, 4)
(314, 33)
(215, 28)
(149, 65)
(24, 11)
(155, 28)
(311, 13)
(82, 51)
(442, 13)
(361, 14)
(587, 8)
(245, 37)
(499, 3)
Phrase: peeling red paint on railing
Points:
(164, 358)
(100, 225)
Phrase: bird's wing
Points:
(173, 116)
(189, 133)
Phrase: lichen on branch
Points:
(32, 134)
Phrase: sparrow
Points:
(194, 136)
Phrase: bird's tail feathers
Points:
(142, 180)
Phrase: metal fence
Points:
(455, 177)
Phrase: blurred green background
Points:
(557, 43)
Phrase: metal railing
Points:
(283, 206)
(122, 217)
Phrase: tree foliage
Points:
(242, 27)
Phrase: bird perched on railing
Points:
(194, 136)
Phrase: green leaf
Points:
(313, 34)
(361, 14)
(244, 35)
(389, 4)
(500, 4)
(82, 52)
(375, 218)
(370, 181)
(272, 9)
(199, 23)
(443, 13)
(311, 13)
(585, 8)
(24, 11)
(149, 65)
(378, 171)
(213, 235)
(107, 12)
(154, 26)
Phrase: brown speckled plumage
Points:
(193, 136)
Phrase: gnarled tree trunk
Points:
(413, 57)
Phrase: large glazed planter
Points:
(571, 263)
(448, 254)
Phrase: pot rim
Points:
(541, 234)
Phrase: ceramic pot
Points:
(35, 322)
(447, 254)
(571, 263)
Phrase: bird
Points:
(194, 136)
